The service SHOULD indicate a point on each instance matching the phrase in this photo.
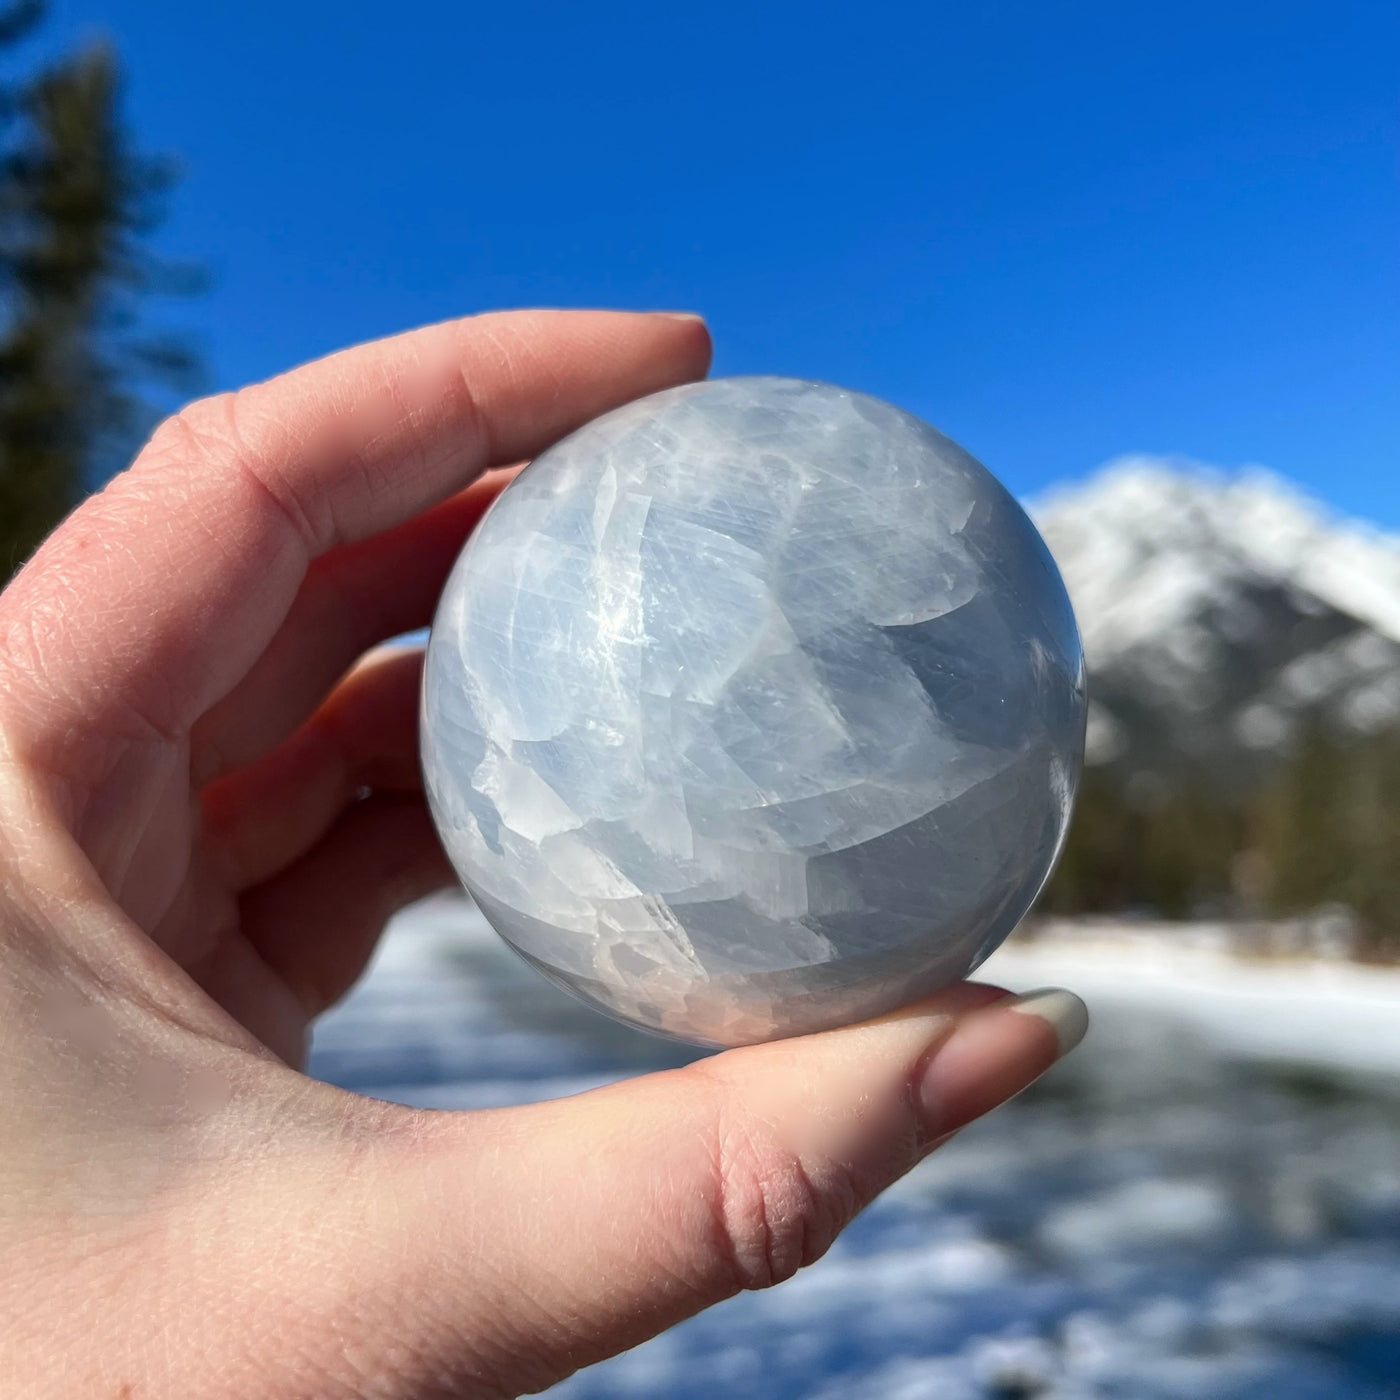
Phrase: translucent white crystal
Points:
(752, 708)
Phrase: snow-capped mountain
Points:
(1219, 610)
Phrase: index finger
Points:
(156, 595)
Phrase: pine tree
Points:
(1324, 829)
(1328, 832)
(75, 205)
(1164, 847)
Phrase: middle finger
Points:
(353, 598)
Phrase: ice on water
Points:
(753, 707)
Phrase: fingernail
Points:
(993, 1053)
(680, 315)
(1066, 1013)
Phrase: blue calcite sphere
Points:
(752, 708)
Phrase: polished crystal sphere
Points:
(752, 708)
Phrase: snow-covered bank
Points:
(1305, 1011)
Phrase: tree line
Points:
(1323, 830)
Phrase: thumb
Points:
(552, 1236)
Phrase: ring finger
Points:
(263, 818)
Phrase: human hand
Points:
(209, 805)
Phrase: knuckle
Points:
(773, 1213)
(222, 433)
(202, 428)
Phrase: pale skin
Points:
(190, 872)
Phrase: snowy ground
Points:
(1203, 1202)
(1301, 1011)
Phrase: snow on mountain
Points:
(1217, 610)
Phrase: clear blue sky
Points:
(1060, 231)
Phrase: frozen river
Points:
(1185, 1208)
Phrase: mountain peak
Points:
(1219, 609)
